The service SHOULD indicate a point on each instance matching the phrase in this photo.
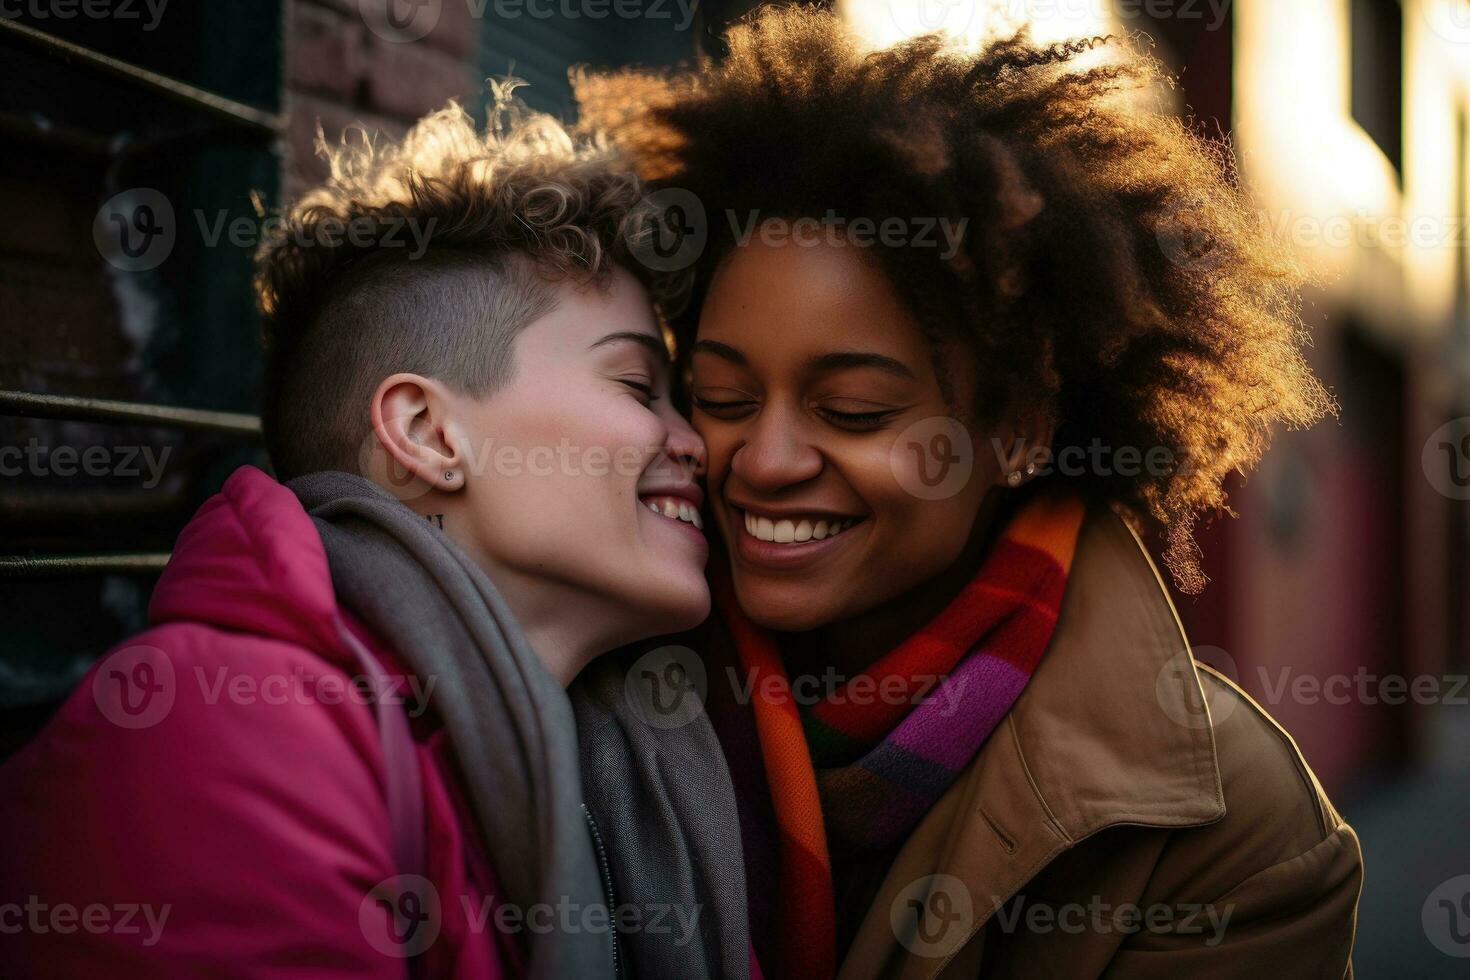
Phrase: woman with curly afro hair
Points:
(955, 324)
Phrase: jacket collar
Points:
(1112, 729)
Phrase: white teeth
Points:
(793, 532)
(676, 509)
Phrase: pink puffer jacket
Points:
(210, 801)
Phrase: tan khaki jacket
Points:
(1136, 815)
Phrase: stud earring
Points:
(449, 474)
(1014, 478)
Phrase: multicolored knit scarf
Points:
(865, 762)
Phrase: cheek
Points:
(566, 464)
(903, 516)
(596, 437)
(624, 440)
(922, 513)
(615, 445)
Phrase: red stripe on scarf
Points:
(981, 607)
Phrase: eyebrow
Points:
(723, 351)
(647, 340)
(837, 360)
(860, 359)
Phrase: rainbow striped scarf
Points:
(864, 769)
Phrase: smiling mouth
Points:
(798, 530)
(673, 508)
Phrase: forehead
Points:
(798, 299)
(585, 313)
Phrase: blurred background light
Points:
(969, 22)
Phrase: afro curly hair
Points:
(1112, 274)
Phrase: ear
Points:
(1027, 438)
(413, 422)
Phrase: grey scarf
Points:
(660, 794)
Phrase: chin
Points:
(782, 611)
(694, 609)
(677, 607)
(792, 622)
(692, 616)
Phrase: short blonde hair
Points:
(426, 255)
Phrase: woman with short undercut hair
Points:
(349, 743)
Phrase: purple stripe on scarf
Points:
(954, 720)
(896, 781)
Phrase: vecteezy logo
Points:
(400, 21)
(941, 449)
(401, 916)
(1183, 699)
(667, 230)
(933, 916)
(674, 679)
(1446, 917)
(408, 913)
(134, 687)
(1457, 456)
(1446, 459)
(135, 230)
(666, 687)
(377, 465)
(933, 458)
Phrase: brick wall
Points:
(340, 72)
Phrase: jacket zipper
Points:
(607, 888)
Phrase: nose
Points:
(776, 454)
(685, 449)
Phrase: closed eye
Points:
(858, 416)
(723, 408)
(642, 387)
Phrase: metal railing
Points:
(222, 115)
(237, 116)
(32, 405)
(218, 107)
(17, 566)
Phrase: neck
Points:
(566, 626)
(559, 645)
(854, 644)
